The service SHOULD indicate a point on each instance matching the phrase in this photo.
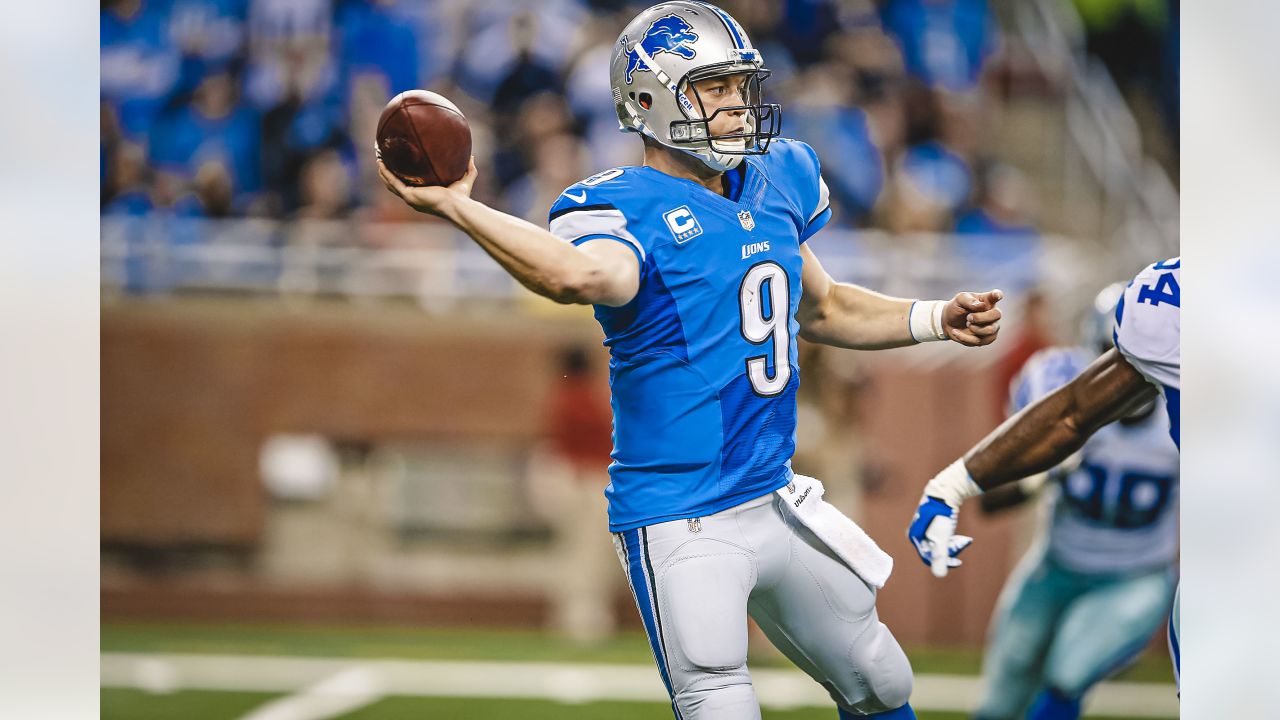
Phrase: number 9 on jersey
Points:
(764, 300)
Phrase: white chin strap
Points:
(720, 162)
(717, 161)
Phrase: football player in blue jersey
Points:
(697, 266)
(1087, 597)
(1144, 365)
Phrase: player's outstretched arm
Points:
(1041, 436)
(1048, 431)
(1013, 495)
(598, 272)
(854, 317)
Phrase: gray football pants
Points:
(695, 581)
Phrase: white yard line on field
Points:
(561, 682)
(335, 695)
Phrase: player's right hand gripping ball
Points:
(424, 139)
(934, 527)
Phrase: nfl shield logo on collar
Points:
(748, 222)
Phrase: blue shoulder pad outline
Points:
(1046, 371)
(797, 172)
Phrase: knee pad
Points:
(737, 700)
(879, 677)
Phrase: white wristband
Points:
(953, 485)
(925, 320)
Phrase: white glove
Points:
(934, 525)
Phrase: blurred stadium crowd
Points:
(267, 108)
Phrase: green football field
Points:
(193, 705)
(455, 644)
(514, 649)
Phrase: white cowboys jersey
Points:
(1117, 511)
(1148, 333)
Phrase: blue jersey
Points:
(1148, 332)
(703, 360)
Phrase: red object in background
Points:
(581, 423)
(424, 139)
(579, 419)
(1033, 336)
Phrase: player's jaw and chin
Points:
(731, 126)
(729, 132)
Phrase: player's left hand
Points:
(972, 319)
(933, 533)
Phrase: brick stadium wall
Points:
(190, 390)
(921, 422)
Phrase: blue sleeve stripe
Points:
(635, 248)
(575, 208)
(1173, 404)
(816, 224)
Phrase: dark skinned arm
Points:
(1046, 432)
(1005, 497)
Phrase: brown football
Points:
(424, 139)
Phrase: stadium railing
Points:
(439, 267)
(1136, 208)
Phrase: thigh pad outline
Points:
(703, 596)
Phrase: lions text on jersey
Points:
(703, 370)
(1148, 332)
(1117, 511)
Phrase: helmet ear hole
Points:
(646, 100)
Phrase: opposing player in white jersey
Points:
(701, 278)
(1145, 364)
(1094, 587)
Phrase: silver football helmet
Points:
(656, 61)
(1099, 320)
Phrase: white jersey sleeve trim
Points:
(578, 224)
(824, 200)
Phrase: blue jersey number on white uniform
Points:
(1138, 501)
(1166, 288)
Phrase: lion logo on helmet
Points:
(669, 34)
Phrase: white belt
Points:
(803, 498)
